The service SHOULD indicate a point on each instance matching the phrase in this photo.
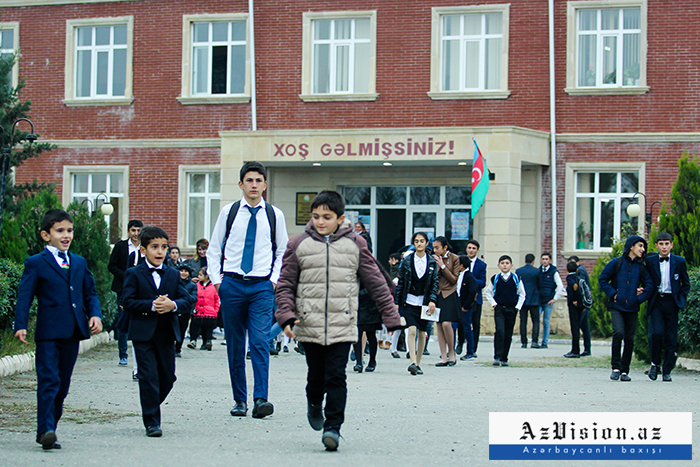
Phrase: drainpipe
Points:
(253, 100)
(553, 132)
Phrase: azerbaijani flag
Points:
(480, 180)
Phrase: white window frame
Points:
(572, 41)
(14, 27)
(570, 224)
(68, 194)
(183, 203)
(187, 97)
(436, 92)
(307, 68)
(72, 26)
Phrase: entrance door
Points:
(391, 232)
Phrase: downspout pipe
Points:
(553, 133)
(253, 99)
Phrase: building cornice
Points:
(26, 3)
(137, 143)
(628, 137)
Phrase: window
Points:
(200, 202)
(469, 56)
(9, 44)
(96, 185)
(99, 61)
(600, 198)
(609, 47)
(339, 55)
(215, 59)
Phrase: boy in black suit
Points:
(153, 295)
(68, 312)
(671, 286)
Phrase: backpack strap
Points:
(229, 222)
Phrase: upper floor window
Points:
(339, 56)
(99, 61)
(9, 37)
(470, 52)
(610, 47)
(215, 59)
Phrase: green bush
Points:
(689, 320)
(21, 234)
(10, 276)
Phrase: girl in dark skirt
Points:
(447, 300)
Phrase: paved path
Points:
(393, 418)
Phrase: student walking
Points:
(206, 311)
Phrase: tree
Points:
(682, 218)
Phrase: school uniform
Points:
(478, 269)
(466, 288)
(506, 294)
(154, 335)
(671, 287)
(66, 294)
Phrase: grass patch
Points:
(9, 345)
(602, 361)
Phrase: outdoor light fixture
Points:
(635, 210)
(106, 209)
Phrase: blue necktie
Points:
(64, 259)
(249, 245)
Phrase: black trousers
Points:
(476, 324)
(370, 330)
(156, 375)
(326, 376)
(203, 327)
(505, 322)
(663, 321)
(534, 312)
(575, 323)
(586, 330)
(624, 326)
(184, 321)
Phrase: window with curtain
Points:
(608, 47)
(218, 57)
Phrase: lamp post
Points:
(635, 210)
(106, 209)
(5, 158)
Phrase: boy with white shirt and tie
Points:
(671, 286)
(244, 259)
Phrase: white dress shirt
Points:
(460, 279)
(665, 268)
(557, 282)
(262, 257)
(488, 291)
(420, 265)
(54, 251)
(156, 277)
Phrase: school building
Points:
(157, 103)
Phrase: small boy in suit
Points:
(68, 312)
(153, 295)
(506, 293)
(573, 301)
(467, 287)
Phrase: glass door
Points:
(423, 219)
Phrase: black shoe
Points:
(314, 413)
(154, 431)
(192, 344)
(425, 352)
(452, 363)
(504, 363)
(418, 370)
(534, 345)
(571, 355)
(413, 369)
(459, 348)
(395, 355)
(666, 378)
(178, 355)
(273, 350)
(441, 364)
(524, 346)
(247, 355)
(371, 367)
(357, 368)
(367, 350)
(203, 347)
(615, 375)
(47, 439)
(408, 355)
(625, 377)
(467, 357)
(496, 362)
(653, 372)
(352, 355)
(543, 346)
(262, 408)
(240, 409)
(207, 346)
(285, 349)
(585, 353)
(300, 348)
(331, 439)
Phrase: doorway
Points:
(391, 233)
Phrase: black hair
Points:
(505, 257)
(443, 242)
(54, 216)
(574, 258)
(174, 248)
(423, 234)
(330, 199)
(184, 267)
(203, 271)
(664, 236)
(546, 253)
(134, 223)
(529, 258)
(150, 233)
(571, 266)
(396, 256)
(364, 229)
(465, 261)
(474, 242)
(253, 166)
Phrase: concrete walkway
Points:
(392, 419)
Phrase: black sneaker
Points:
(534, 345)
(331, 439)
(418, 370)
(653, 372)
(504, 363)
(625, 377)
(615, 375)
(413, 369)
(314, 413)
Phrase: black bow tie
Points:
(159, 271)
(662, 259)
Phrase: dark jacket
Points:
(118, 262)
(405, 275)
(367, 311)
(572, 292)
(621, 285)
(532, 281)
(468, 291)
(65, 297)
(680, 282)
(479, 274)
(191, 289)
(138, 295)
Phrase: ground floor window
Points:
(203, 205)
(392, 214)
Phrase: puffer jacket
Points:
(207, 301)
(319, 285)
(622, 284)
(405, 275)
